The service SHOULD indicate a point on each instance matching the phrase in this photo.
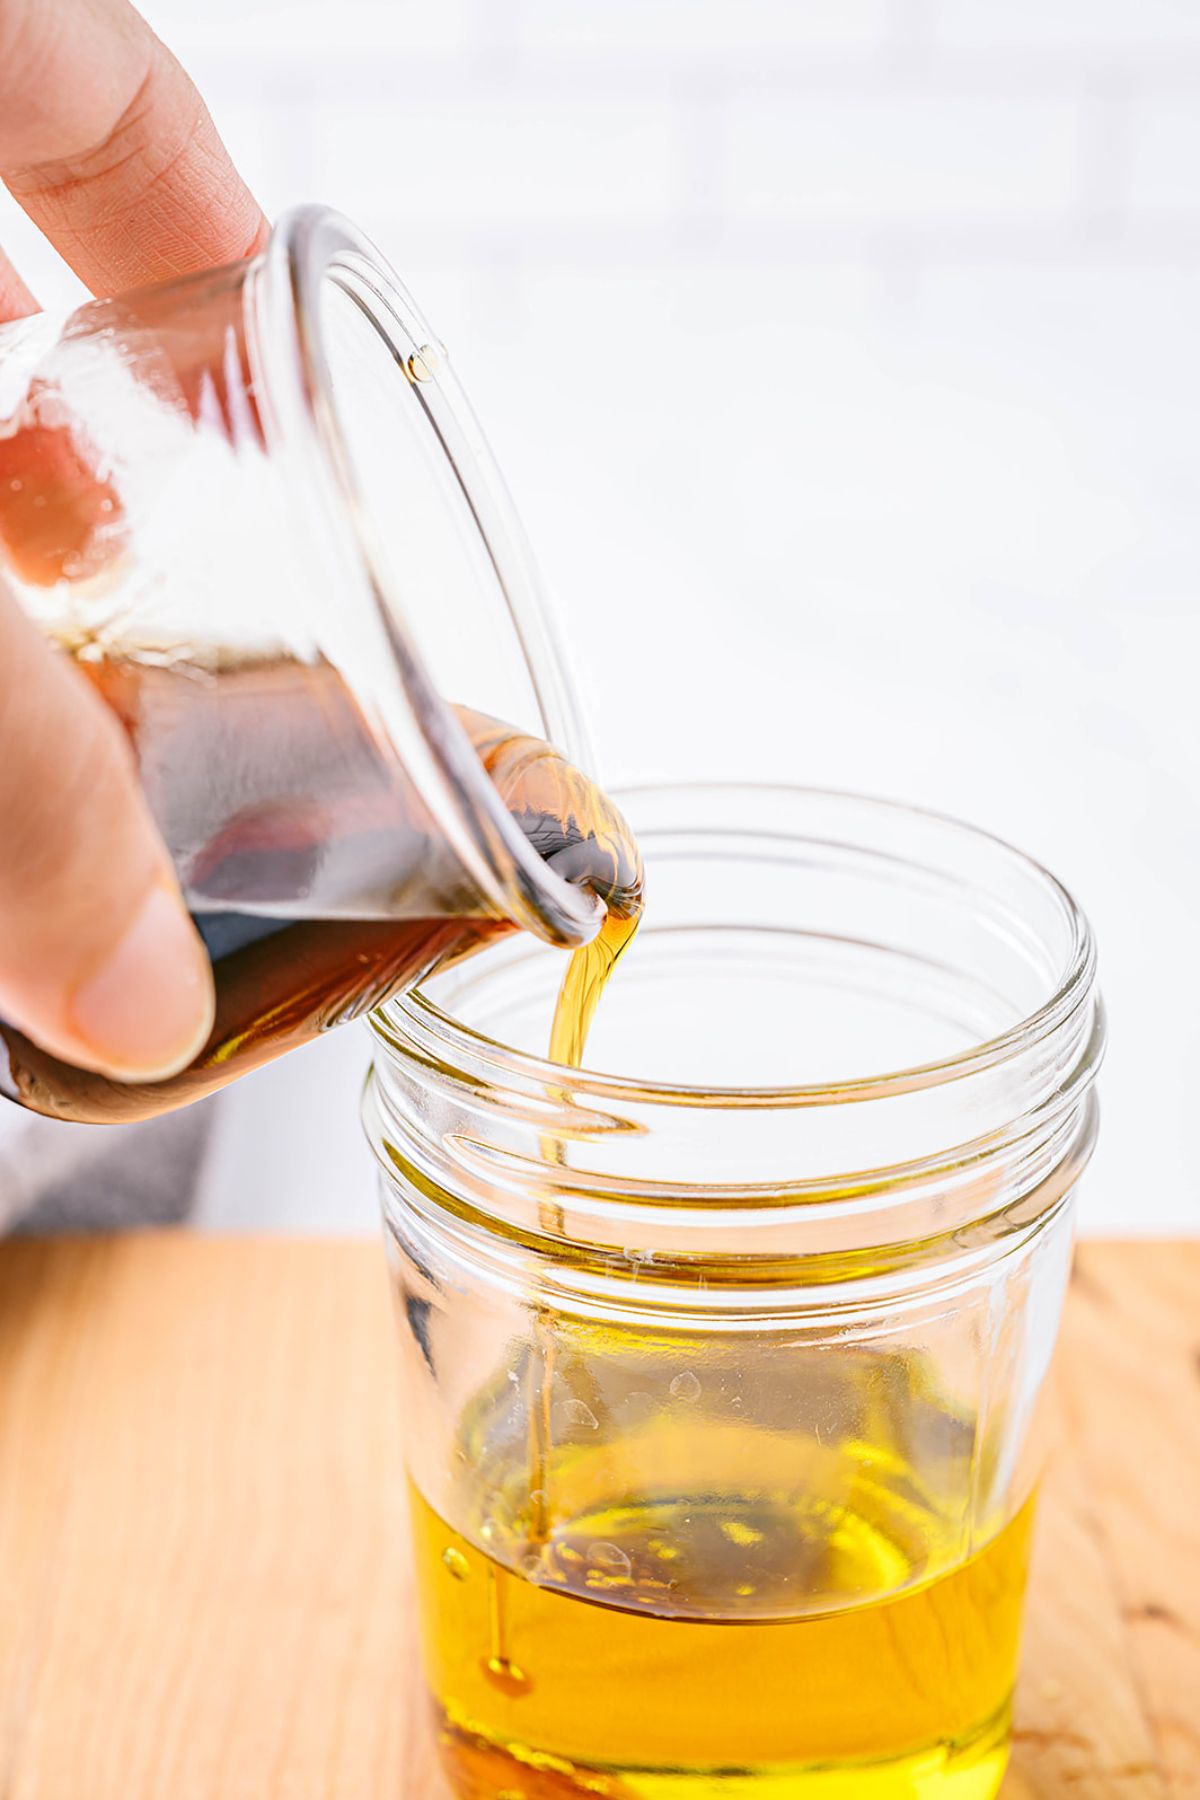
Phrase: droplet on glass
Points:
(580, 1413)
(456, 1563)
(424, 363)
(609, 1557)
(507, 1675)
(685, 1386)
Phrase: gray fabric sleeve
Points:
(57, 1178)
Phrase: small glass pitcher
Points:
(255, 508)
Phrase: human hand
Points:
(109, 149)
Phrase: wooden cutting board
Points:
(202, 1558)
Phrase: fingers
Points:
(99, 962)
(16, 301)
(111, 151)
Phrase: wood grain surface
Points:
(203, 1592)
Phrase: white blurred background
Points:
(852, 345)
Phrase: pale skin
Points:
(109, 149)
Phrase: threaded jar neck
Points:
(856, 1041)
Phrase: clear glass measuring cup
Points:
(255, 508)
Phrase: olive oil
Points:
(706, 1605)
(587, 975)
(267, 771)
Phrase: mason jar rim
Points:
(309, 246)
(415, 1010)
(902, 1178)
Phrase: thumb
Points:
(99, 962)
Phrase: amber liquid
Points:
(321, 823)
(754, 1594)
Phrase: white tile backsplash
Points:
(1123, 25)
(702, 28)
(1164, 157)
(898, 158)
(312, 26)
(509, 158)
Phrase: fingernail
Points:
(148, 1010)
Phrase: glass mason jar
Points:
(255, 508)
(723, 1371)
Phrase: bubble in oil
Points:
(580, 1413)
(637, 1406)
(455, 1563)
(685, 1386)
(609, 1559)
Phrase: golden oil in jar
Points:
(702, 1602)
